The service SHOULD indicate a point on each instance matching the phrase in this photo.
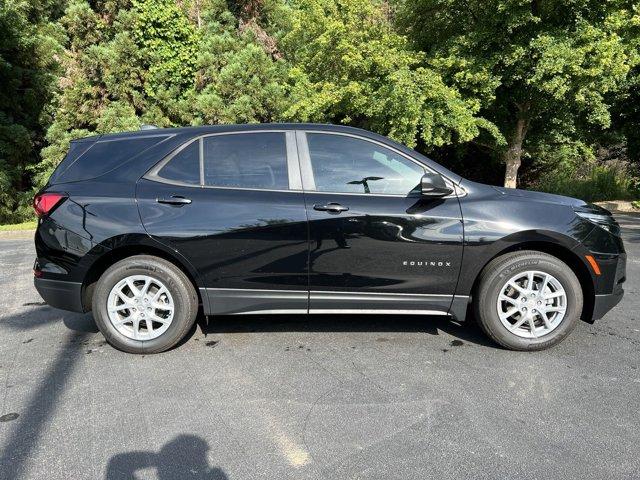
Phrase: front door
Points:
(232, 205)
(375, 243)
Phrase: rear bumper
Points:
(60, 294)
(603, 303)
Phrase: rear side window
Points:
(249, 160)
(75, 150)
(104, 156)
(184, 167)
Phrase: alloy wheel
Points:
(532, 304)
(140, 307)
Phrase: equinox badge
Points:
(425, 263)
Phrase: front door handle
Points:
(331, 207)
(174, 200)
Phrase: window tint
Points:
(350, 165)
(248, 160)
(75, 150)
(106, 155)
(184, 166)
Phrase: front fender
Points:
(479, 252)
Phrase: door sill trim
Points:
(373, 311)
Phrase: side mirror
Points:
(433, 185)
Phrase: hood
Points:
(542, 197)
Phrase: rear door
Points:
(232, 204)
(375, 243)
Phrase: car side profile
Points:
(146, 228)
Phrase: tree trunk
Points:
(513, 155)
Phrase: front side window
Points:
(247, 160)
(344, 164)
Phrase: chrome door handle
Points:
(331, 207)
(174, 200)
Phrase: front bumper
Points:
(60, 294)
(603, 303)
(608, 285)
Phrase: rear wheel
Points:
(144, 304)
(528, 300)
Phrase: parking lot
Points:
(317, 397)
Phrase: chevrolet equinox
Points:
(144, 228)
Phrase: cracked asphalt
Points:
(323, 397)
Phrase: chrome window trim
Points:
(308, 180)
(291, 149)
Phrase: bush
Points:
(599, 183)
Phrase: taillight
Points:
(45, 202)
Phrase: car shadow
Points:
(432, 325)
(38, 314)
(219, 324)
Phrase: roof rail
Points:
(146, 126)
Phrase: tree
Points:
(162, 62)
(29, 48)
(534, 65)
(349, 66)
(240, 72)
(126, 62)
(627, 109)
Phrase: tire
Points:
(494, 280)
(178, 293)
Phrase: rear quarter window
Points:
(102, 157)
(75, 150)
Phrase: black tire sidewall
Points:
(493, 282)
(176, 282)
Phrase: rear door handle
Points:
(331, 207)
(174, 200)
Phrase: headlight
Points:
(600, 217)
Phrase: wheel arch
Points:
(113, 255)
(561, 252)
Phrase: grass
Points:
(18, 226)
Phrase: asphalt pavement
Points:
(321, 397)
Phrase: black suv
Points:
(145, 227)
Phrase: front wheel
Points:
(528, 300)
(144, 304)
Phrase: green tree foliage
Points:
(241, 75)
(160, 62)
(29, 45)
(349, 66)
(538, 67)
(127, 62)
(627, 121)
